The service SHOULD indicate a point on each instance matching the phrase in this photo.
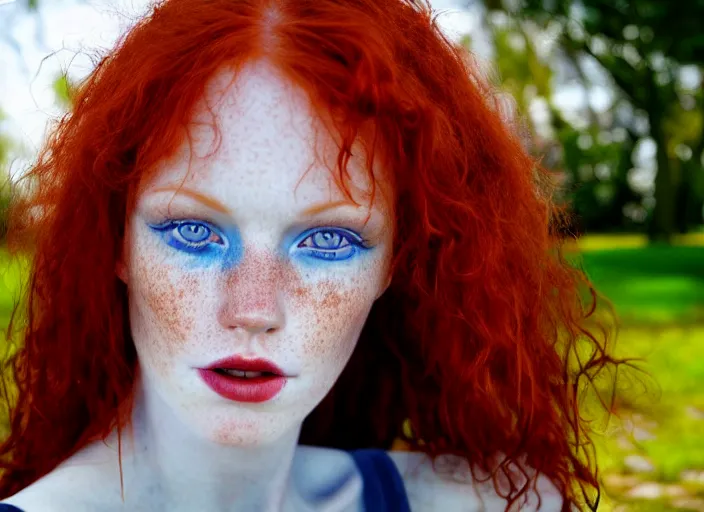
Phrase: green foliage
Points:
(519, 66)
(642, 46)
(5, 145)
(63, 91)
(598, 188)
(12, 273)
(671, 28)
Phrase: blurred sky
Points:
(65, 34)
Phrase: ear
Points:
(121, 270)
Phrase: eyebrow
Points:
(318, 208)
(208, 201)
(217, 206)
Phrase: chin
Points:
(247, 429)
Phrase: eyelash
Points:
(354, 243)
(349, 244)
(173, 236)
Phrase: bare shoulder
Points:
(47, 494)
(453, 489)
(74, 487)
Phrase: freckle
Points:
(168, 307)
(331, 301)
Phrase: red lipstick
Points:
(244, 380)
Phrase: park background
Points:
(608, 93)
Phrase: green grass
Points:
(675, 359)
(651, 285)
(658, 293)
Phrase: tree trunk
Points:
(663, 224)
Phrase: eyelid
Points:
(356, 237)
(169, 225)
(180, 221)
(369, 223)
(181, 208)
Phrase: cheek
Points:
(167, 312)
(333, 319)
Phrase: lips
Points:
(238, 363)
(244, 380)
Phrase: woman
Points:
(271, 234)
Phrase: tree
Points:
(644, 46)
(590, 162)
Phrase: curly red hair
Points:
(472, 345)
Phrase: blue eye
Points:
(191, 236)
(194, 233)
(332, 244)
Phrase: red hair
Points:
(474, 341)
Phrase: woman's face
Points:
(250, 253)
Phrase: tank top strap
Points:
(383, 486)
(4, 507)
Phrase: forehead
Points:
(254, 130)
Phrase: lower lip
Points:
(254, 390)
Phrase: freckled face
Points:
(252, 250)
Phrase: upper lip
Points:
(246, 365)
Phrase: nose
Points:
(251, 300)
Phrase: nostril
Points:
(271, 330)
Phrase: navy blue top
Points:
(383, 487)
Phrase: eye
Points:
(189, 235)
(194, 233)
(332, 244)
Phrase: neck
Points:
(167, 464)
